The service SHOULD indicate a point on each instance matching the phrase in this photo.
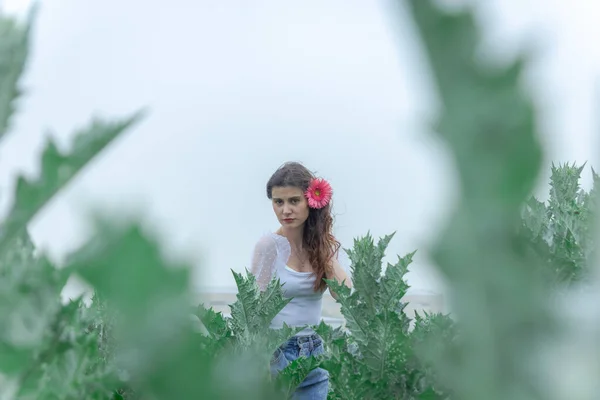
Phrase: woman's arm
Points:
(336, 272)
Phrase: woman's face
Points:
(290, 206)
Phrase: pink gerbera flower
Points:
(318, 193)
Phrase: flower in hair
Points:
(318, 193)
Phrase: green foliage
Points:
(50, 350)
(47, 349)
(157, 344)
(499, 295)
(253, 312)
(373, 358)
(376, 359)
(561, 230)
(13, 56)
(434, 335)
(57, 169)
(247, 330)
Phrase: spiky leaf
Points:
(56, 170)
(488, 124)
(14, 49)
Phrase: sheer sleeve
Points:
(270, 252)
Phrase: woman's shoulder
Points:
(270, 241)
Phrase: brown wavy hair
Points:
(318, 239)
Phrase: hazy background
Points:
(236, 88)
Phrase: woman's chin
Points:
(290, 224)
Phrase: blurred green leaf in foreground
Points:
(159, 346)
(498, 294)
(47, 349)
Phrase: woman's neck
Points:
(294, 236)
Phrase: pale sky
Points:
(236, 88)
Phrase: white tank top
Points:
(305, 308)
(270, 257)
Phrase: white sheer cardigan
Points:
(272, 252)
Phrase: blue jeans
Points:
(316, 384)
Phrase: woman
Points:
(301, 253)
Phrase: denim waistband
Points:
(299, 339)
